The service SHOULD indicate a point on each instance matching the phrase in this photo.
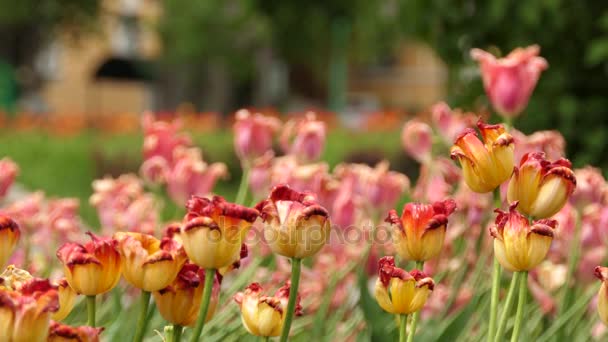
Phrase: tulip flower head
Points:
(13, 278)
(9, 236)
(253, 134)
(541, 187)
(295, 226)
(148, 263)
(519, 246)
(25, 314)
(420, 231)
(486, 164)
(264, 315)
(213, 231)
(67, 299)
(510, 81)
(8, 172)
(64, 333)
(401, 292)
(304, 138)
(92, 268)
(179, 302)
(417, 140)
(602, 297)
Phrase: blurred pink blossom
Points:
(417, 140)
(450, 123)
(304, 137)
(8, 172)
(253, 135)
(436, 180)
(591, 187)
(161, 138)
(510, 81)
(260, 175)
(552, 143)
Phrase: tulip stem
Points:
(142, 321)
(402, 327)
(410, 337)
(202, 314)
(496, 273)
(177, 333)
(296, 265)
(91, 311)
(507, 308)
(242, 193)
(521, 302)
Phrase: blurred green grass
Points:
(65, 166)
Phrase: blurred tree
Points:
(26, 27)
(573, 35)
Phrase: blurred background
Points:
(75, 75)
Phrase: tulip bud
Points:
(64, 333)
(417, 140)
(25, 315)
(510, 81)
(295, 226)
(419, 233)
(148, 263)
(400, 292)
(8, 172)
(9, 236)
(541, 187)
(517, 245)
(179, 302)
(486, 164)
(602, 297)
(253, 135)
(214, 230)
(67, 299)
(304, 138)
(264, 315)
(92, 268)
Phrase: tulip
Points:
(304, 138)
(13, 278)
(148, 263)
(486, 164)
(591, 187)
(420, 231)
(213, 231)
(253, 135)
(510, 81)
(541, 187)
(448, 122)
(67, 299)
(161, 138)
(25, 314)
(179, 302)
(264, 315)
(519, 246)
(400, 292)
(64, 333)
(417, 140)
(602, 297)
(9, 235)
(8, 172)
(295, 226)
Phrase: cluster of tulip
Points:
(184, 269)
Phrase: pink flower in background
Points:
(417, 140)
(344, 206)
(192, 176)
(253, 135)
(260, 175)
(591, 187)
(161, 138)
(552, 143)
(510, 81)
(304, 138)
(436, 180)
(450, 123)
(155, 170)
(8, 172)
(122, 204)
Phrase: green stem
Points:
(177, 332)
(496, 273)
(242, 193)
(504, 316)
(410, 337)
(402, 327)
(91, 311)
(142, 321)
(293, 294)
(202, 314)
(521, 302)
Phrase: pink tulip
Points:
(417, 140)
(510, 81)
(253, 135)
(8, 172)
(552, 143)
(591, 187)
(304, 138)
(260, 175)
(161, 138)
(450, 123)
